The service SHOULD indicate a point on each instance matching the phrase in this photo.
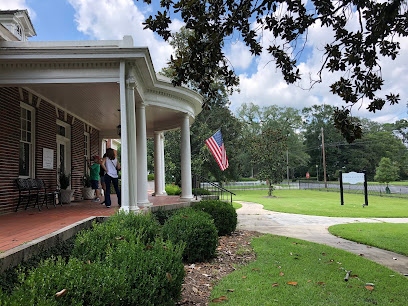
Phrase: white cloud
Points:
(112, 19)
(17, 5)
(239, 55)
(266, 86)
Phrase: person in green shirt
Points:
(95, 168)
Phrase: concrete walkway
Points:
(252, 216)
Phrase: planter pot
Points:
(88, 193)
(66, 195)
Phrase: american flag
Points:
(217, 148)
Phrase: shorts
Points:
(94, 184)
(102, 179)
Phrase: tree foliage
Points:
(268, 154)
(386, 172)
(355, 53)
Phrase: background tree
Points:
(386, 172)
(287, 119)
(356, 53)
(269, 156)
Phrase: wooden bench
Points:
(29, 189)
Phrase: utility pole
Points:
(324, 160)
(287, 166)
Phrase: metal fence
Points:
(373, 189)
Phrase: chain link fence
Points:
(373, 189)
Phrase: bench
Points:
(29, 189)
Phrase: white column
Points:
(186, 184)
(162, 164)
(128, 141)
(141, 144)
(157, 165)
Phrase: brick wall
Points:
(10, 138)
(45, 137)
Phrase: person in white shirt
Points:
(111, 165)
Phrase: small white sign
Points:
(353, 177)
(48, 158)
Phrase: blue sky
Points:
(260, 82)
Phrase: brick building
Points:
(60, 101)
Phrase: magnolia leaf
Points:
(223, 298)
(230, 290)
(292, 283)
(321, 283)
(244, 277)
(371, 288)
(275, 285)
(281, 274)
(256, 270)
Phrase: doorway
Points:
(63, 149)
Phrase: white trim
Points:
(33, 139)
(67, 141)
(88, 150)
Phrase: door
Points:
(63, 149)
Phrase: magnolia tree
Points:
(354, 54)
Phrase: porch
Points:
(24, 226)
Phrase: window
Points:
(26, 155)
(86, 152)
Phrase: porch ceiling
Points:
(95, 103)
(98, 105)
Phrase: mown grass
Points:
(236, 205)
(319, 273)
(319, 203)
(388, 236)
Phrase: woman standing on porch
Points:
(111, 165)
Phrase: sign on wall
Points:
(353, 177)
(48, 158)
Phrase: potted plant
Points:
(65, 182)
(87, 192)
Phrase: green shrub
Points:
(196, 229)
(224, 215)
(173, 189)
(150, 177)
(132, 273)
(87, 284)
(162, 215)
(92, 244)
(9, 277)
(247, 179)
(201, 191)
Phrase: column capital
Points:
(130, 82)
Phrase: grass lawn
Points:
(321, 203)
(236, 205)
(388, 236)
(317, 274)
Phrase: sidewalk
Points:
(252, 216)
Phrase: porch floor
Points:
(26, 225)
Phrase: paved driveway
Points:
(252, 216)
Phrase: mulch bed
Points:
(200, 278)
